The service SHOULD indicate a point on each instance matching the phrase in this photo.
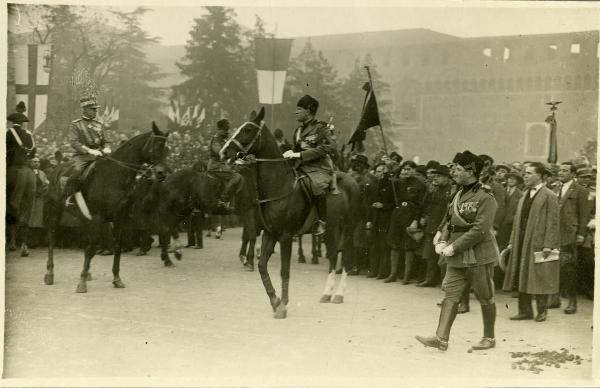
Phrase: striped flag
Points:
(271, 61)
(32, 76)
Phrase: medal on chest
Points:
(468, 208)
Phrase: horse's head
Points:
(245, 139)
(154, 149)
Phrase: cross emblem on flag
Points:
(32, 79)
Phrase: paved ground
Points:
(208, 322)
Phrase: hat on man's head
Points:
(88, 101)
(361, 159)
(409, 163)
(21, 107)
(441, 170)
(394, 154)
(223, 124)
(17, 118)
(503, 167)
(309, 103)
(516, 176)
(469, 160)
(585, 172)
(432, 165)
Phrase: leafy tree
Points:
(215, 66)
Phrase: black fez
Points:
(308, 103)
(17, 118)
(223, 124)
(432, 165)
(469, 160)
(21, 107)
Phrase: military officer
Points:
(313, 146)
(466, 239)
(221, 169)
(87, 138)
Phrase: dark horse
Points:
(284, 210)
(20, 186)
(107, 193)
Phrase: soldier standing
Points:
(468, 243)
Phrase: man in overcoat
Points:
(535, 229)
(466, 239)
(574, 217)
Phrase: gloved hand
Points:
(437, 237)
(106, 151)
(289, 154)
(414, 225)
(592, 224)
(94, 152)
(439, 247)
(580, 239)
(448, 251)
(369, 225)
(546, 252)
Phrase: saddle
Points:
(67, 172)
(311, 218)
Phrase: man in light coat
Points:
(535, 229)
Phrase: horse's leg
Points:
(244, 247)
(268, 243)
(199, 230)
(177, 244)
(330, 241)
(345, 260)
(249, 265)
(89, 252)
(315, 249)
(117, 242)
(285, 244)
(164, 238)
(12, 234)
(219, 229)
(49, 277)
(23, 232)
(301, 258)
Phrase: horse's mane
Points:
(133, 140)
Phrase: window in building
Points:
(510, 84)
(588, 83)
(552, 51)
(575, 48)
(547, 82)
(557, 82)
(455, 84)
(578, 81)
(483, 85)
(520, 84)
(428, 86)
(538, 82)
(465, 85)
(536, 140)
(506, 56)
(487, 52)
(529, 54)
(501, 84)
(569, 84)
(474, 85)
(447, 85)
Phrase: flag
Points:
(271, 57)
(369, 118)
(185, 119)
(114, 119)
(32, 76)
(201, 118)
(553, 148)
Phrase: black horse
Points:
(284, 210)
(107, 193)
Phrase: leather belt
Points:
(459, 229)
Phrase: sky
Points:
(466, 19)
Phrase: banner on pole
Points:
(271, 61)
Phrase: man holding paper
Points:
(533, 267)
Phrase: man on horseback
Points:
(221, 169)
(312, 146)
(86, 136)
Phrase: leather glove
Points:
(439, 247)
(106, 151)
(94, 152)
(592, 224)
(437, 237)
(546, 252)
(289, 154)
(448, 251)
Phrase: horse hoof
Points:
(301, 259)
(178, 255)
(281, 312)
(49, 279)
(249, 267)
(243, 259)
(24, 253)
(81, 288)
(168, 263)
(118, 284)
(325, 299)
(338, 299)
(275, 303)
(89, 277)
(315, 260)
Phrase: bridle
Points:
(137, 167)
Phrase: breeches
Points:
(80, 162)
(480, 277)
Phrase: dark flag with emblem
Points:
(369, 118)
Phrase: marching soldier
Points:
(221, 169)
(466, 239)
(313, 146)
(87, 137)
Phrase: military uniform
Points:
(85, 134)
(221, 169)
(313, 141)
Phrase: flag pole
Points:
(385, 149)
(380, 126)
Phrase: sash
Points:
(468, 255)
(20, 142)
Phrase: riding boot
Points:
(541, 302)
(394, 259)
(72, 186)
(333, 185)
(525, 311)
(447, 316)
(488, 312)
(571, 289)
(409, 259)
(321, 205)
